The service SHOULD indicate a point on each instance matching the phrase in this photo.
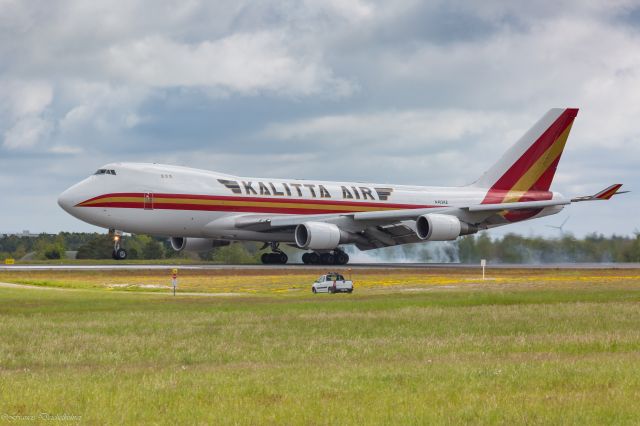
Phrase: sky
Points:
(405, 92)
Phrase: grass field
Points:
(407, 347)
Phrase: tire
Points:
(327, 259)
(305, 258)
(350, 291)
(313, 290)
(121, 254)
(265, 258)
(330, 290)
(342, 258)
(282, 258)
(314, 259)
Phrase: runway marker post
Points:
(483, 263)
(174, 279)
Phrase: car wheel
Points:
(313, 290)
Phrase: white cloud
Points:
(245, 62)
(395, 130)
(21, 97)
(403, 91)
(26, 133)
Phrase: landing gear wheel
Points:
(274, 258)
(327, 259)
(314, 258)
(342, 258)
(305, 258)
(120, 254)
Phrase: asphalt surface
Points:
(324, 267)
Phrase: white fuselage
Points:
(178, 201)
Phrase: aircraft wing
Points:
(392, 227)
(257, 222)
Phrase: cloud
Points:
(26, 133)
(389, 130)
(24, 106)
(243, 63)
(400, 92)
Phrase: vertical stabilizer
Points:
(529, 165)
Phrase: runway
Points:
(292, 267)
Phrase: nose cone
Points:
(66, 200)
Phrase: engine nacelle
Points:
(196, 244)
(438, 227)
(319, 236)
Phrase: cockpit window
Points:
(105, 172)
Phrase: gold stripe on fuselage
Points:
(234, 203)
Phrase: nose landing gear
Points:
(118, 253)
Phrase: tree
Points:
(152, 249)
(100, 247)
(235, 253)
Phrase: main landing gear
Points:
(118, 253)
(276, 257)
(337, 257)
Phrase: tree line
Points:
(100, 246)
(511, 248)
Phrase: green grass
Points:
(494, 355)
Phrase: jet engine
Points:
(196, 244)
(441, 227)
(319, 236)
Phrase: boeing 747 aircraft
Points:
(199, 209)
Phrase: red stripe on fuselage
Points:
(241, 209)
(497, 197)
(324, 206)
(157, 199)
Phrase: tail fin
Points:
(530, 164)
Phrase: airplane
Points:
(199, 210)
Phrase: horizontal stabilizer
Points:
(605, 194)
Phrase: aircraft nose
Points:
(67, 199)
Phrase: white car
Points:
(332, 283)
